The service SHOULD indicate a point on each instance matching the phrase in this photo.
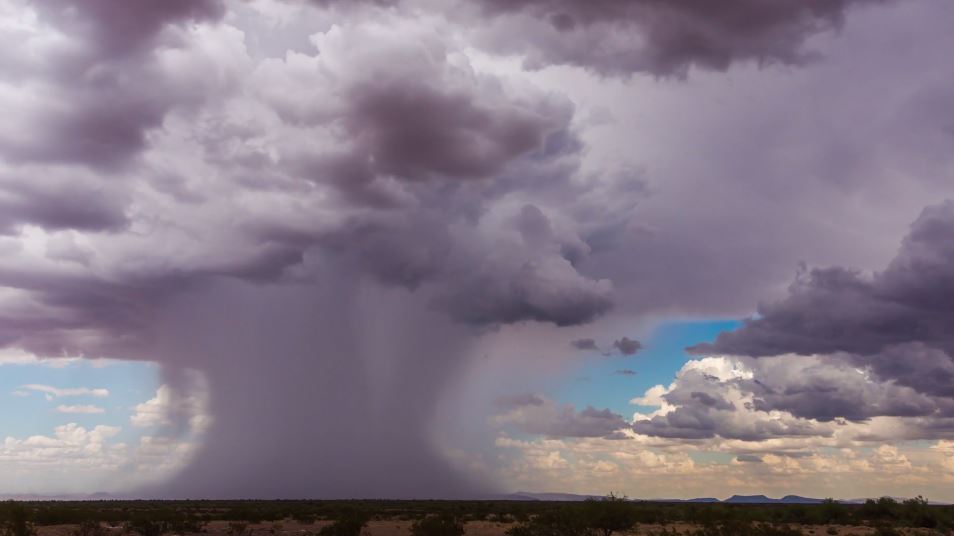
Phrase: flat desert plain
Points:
(400, 527)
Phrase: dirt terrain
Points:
(398, 527)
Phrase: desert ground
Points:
(399, 527)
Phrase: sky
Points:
(454, 248)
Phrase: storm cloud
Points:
(329, 232)
(843, 345)
(660, 37)
(881, 320)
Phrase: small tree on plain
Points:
(609, 514)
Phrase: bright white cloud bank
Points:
(98, 458)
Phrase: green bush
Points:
(239, 528)
(439, 525)
(741, 528)
(89, 528)
(608, 515)
(15, 520)
(348, 524)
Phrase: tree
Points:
(609, 514)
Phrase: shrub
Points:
(886, 530)
(146, 526)
(608, 515)
(739, 528)
(239, 528)
(15, 521)
(440, 525)
(348, 524)
(89, 528)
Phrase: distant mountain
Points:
(762, 499)
(795, 499)
(99, 496)
(735, 499)
(749, 499)
(564, 497)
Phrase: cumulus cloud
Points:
(94, 456)
(171, 408)
(889, 324)
(95, 86)
(709, 398)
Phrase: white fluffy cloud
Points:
(100, 458)
(171, 408)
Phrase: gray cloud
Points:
(620, 36)
(627, 346)
(518, 401)
(791, 396)
(117, 28)
(415, 132)
(892, 322)
(450, 195)
(550, 419)
(103, 87)
(584, 344)
(172, 169)
(707, 403)
(60, 204)
(748, 458)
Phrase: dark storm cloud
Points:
(416, 132)
(834, 387)
(549, 290)
(365, 244)
(841, 310)
(657, 36)
(627, 346)
(363, 212)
